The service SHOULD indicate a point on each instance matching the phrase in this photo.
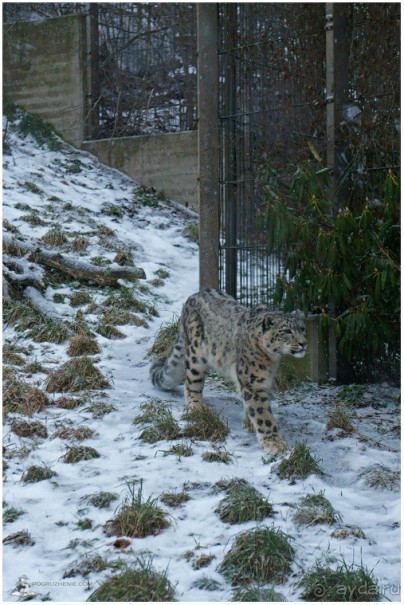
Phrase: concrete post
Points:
(337, 85)
(208, 144)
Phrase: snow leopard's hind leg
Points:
(195, 362)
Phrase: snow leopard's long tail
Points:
(168, 372)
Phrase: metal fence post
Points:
(208, 144)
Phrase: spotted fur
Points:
(243, 344)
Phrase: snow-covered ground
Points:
(80, 201)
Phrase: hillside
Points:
(60, 522)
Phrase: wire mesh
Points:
(269, 109)
(371, 126)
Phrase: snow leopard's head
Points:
(282, 333)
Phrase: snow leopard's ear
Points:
(267, 323)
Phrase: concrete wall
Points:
(168, 162)
(44, 71)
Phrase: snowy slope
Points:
(79, 201)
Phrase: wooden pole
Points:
(208, 144)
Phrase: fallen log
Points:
(105, 276)
(20, 272)
(43, 305)
(7, 298)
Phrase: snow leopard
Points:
(243, 344)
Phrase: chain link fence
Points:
(272, 61)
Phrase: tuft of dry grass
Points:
(33, 219)
(55, 237)
(345, 583)
(180, 450)
(98, 409)
(35, 367)
(85, 566)
(20, 538)
(25, 316)
(78, 453)
(314, 509)
(22, 398)
(191, 232)
(35, 473)
(243, 503)
(121, 317)
(80, 298)
(11, 514)
(137, 517)
(124, 258)
(299, 465)
(205, 424)
(109, 331)
(126, 299)
(160, 422)
(21, 314)
(49, 330)
(259, 555)
(68, 403)
(203, 561)
(102, 499)
(82, 344)
(139, 584)
(218, 455)
(164, 339)
(174, 499)
(156, 282)
(79, 434)
(80, 243)
(257, 593)
(76, 375)
(23, 428)
(162, 273)
(341, 533)
(339, 419)
(379, 476)
(11, 355)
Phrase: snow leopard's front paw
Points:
(273, 445)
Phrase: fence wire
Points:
(271, 63)
(273, 114)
